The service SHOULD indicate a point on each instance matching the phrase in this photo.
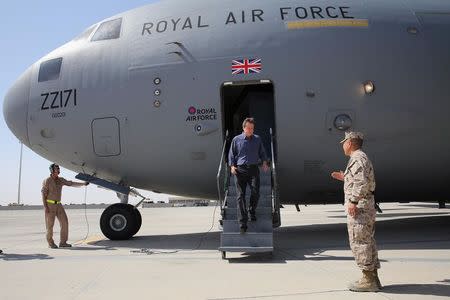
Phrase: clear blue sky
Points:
(31, 29)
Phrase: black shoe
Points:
(253, 218)
(243, 229)
(1, 251)
(53, 246)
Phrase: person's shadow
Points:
(23, 257)
(419, 289)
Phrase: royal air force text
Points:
(250, 16)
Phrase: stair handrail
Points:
(275, 197)
(223, 167)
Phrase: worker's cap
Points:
(353, 135)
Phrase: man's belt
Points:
(248, 166)
(369, 194)
(53, 201)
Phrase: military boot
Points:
(367, 283)
(376, 278)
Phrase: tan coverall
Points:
(51, 190)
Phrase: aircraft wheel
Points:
(137, 215)
(119, 221)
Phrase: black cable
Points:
(202, 239)
(146, 250)
(85, 211)
(85, 214)
(209, 230)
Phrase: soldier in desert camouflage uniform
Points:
(359, 187)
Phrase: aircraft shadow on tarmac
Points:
(427, 205)
(308, 242)
(403, 207)
(418, 289)
(399, 215)
(23, 257)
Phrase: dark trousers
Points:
(247, 175)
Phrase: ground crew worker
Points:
(245, 153)
(51, 197)
(359, 188)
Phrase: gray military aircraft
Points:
(146, 98)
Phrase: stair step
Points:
(232, 226)
(264, 179)
(263, 202)
(262, 198)
(233, 197)
(264, 190)
(248, 239)
(247, 249)
(262, 213)
(259, 235)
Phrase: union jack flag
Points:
(246, 66)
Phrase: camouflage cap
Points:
(353, 135)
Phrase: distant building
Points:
(181, 201)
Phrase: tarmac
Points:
(172, 257)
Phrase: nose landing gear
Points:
(120, 221)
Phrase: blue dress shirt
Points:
(246, 150)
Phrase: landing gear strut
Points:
(120, 221)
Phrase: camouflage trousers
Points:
(361, 234)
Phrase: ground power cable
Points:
(149, 251)
(85, 215)
(85, 211)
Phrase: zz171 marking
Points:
(59, 99)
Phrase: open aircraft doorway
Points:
(245, 99)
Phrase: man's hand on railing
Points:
(266, 167)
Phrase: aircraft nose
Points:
(15, 107)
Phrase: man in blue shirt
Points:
(245, 153)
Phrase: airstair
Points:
(259, 235)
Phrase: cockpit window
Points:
(85, 34)
(108, 30)
(50, 69)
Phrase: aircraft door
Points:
(106, 136)
(249, 99)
